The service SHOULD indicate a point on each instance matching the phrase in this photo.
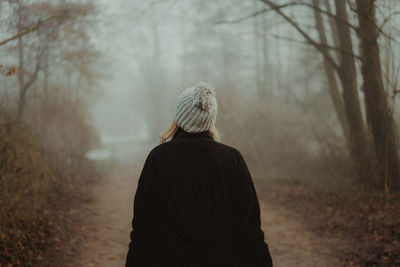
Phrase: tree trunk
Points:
(359, 145)
(46, 77)
(25, 84)
(21, 80)
(182, 34)
(224, 48)
(379, 115)
(21, 104)
(265, 79)
(257, 69)
(332, 24)
(333, 86)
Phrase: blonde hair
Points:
(168, 134)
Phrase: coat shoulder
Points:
(228, 148)
(170, 146)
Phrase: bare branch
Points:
(384, 34)
(319, 44)
(293, 3)
(389, 17)
(303, 33)
(329, 14)
(254, 14)
(380, 28)
(39, 24)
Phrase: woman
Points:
(195, 203)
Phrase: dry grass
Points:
(41, 164)
(23, 177)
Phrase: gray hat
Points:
(196, 108)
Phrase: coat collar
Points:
(180, 133)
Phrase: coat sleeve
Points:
(250, 245)
(143, 237)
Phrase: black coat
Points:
(196, 205)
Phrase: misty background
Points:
(271, 84)
(307, 91)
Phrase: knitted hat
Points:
(196, 108)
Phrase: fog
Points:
(307, 90)
(181, 46)
(150, 56)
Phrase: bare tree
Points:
(359, 144)
(346, 70)
(329, 70)
(379, 115)
(32, 49)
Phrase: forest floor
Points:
(110, 213)
(303, 226)
(108, 224)
(360, 227)
(108, 219)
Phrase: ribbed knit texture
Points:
(196, 108)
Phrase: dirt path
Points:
(110, 217)
(291, 244)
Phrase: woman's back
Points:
(196, 205)
(195, 170)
